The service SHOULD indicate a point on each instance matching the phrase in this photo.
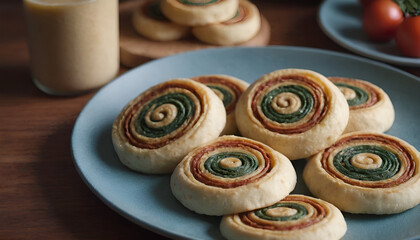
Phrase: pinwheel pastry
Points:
(242, 27)
(370, 107)
(149, 21)
(159, 127)
(228, 89)
(298, 112)
(199, 12)
(295, 217)
(366, 173)
(232, 174)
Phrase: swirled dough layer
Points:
(365, 172)
(149, 21)
(159, 127)
(370, 107)
(298, 112)
(295, 217)
(228, 89)
(242, 27)
(232, 174)
(199, 12)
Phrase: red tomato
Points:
(381, 19)
(408, 37)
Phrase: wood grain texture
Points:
(41, 194)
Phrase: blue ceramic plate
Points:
(147, 199)
(341, 20)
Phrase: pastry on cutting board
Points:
(149, 21)
(199, 12)
(243, 26)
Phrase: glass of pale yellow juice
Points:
(73, 44)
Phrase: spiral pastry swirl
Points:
(369, 160)
(241, 14)
(292, 107)
(161, 119)
(207, 177)
(359, 94)
(366, 164)
(294, 217)
(230, 164)
(162, 116)
(152, 10)
(370, 107)
(199, 12)
(289, 105)
(149, 21)
(198, 2)
(228, 89)
(240, 28)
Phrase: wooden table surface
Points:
(41, 194)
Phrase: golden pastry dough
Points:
(295, 217)
(159, 127)
(199, 12)
(240, 28)
(232, 174)
(295, 111)
(149, 21)
(366, 172)
(370, 107)
(229, 89)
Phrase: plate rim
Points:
(143, 223)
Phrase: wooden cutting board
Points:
(135, 49)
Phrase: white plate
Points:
(147, 199)
(341, 20)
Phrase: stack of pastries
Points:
(217, 22)
(229, 147)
